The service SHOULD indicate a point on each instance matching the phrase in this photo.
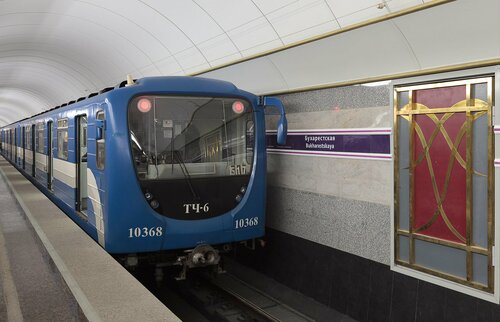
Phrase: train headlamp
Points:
(144, 105)
(238, 107)
(154, 204)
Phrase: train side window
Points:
(100, 145)
(27, 137)
(62, 139)
(84, 135)
(39, 137)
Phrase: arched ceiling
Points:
(454, 36)
(53, 51)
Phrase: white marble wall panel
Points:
(338, 202)
(363, 180)
(369, 117)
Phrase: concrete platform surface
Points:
(71, 275)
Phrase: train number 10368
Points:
(246, 222)
(141, 232)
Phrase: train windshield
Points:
(190, 137)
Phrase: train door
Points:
(33, 151)
(9, 147)
(81, 163)
(50, 156)
(23, 143)
(10, 144)
(15, 146)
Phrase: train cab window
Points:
(178, 137)
(250, 140)
(39, 137)
(100, 145)
(62, 139)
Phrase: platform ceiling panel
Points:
(53, 51)
(456, 33)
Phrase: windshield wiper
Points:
(186, 174)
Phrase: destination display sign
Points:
(354, 143)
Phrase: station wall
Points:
(329, 217)
(338, 202)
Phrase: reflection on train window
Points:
(196, 137)
(62, 139)
(100, 145)
(27, 130)
(32, 137)
(250, 140)
(28, 137)
(11, 135)
(39, 134)
(15, 145)
(84, 135)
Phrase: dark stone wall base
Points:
(361, 288)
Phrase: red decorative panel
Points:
(439, 97)
(439, 177)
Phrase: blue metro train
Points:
(170, 166)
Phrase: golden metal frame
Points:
(473, 109)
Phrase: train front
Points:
(200, 165)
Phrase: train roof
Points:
(174, 84)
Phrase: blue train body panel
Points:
(117, 213)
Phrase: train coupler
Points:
(200, 256)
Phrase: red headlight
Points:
(144, 105)
(238, 107)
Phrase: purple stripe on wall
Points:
(353, 131)
(334, 154)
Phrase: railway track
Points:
(227, 298)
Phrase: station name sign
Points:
(350, 143)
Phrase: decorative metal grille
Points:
(443, 146)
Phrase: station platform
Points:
(50, 270)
